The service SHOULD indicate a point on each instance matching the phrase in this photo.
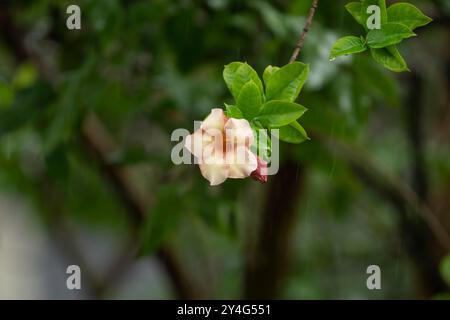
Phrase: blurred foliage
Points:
(148, 67)
(445, 271)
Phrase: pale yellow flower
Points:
(222, 146)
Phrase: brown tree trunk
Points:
(268, 266)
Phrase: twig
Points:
(301, 40)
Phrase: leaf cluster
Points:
(270, 105)
(398, 22)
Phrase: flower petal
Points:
(215, 120)
(238, 132)
(196, 142)
(242, 162)
(214, 169)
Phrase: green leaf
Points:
(237, 74)
(262, 144)
(445, 269)
(365, 16)
(293, 133)
(268, 72)
(278, 113)
(286, 83)
(249, 100)
(300, 129)
(390, 58)
(347, 45)
(408, 15)
(233, 112)
(384, 16)
(354, 8)
(389, 34)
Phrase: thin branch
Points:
(301, 40)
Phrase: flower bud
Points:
(260, 174)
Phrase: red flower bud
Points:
(260, 174)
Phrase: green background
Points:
(86, 176)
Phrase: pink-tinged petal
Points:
(242, 162)
(214, 169)
(196, 142)
(238, 132)
(214, 138)
(215, 120)
(260, 174)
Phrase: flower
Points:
(260, 174)
(222, 146)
